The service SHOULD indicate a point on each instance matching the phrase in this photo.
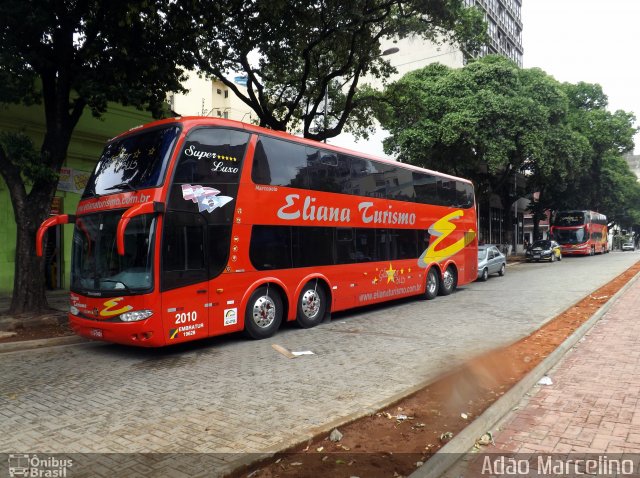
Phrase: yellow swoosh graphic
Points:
(441, 229)
(110, 304)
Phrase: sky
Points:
(594, 41)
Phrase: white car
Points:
(490, 261)
(628, 246)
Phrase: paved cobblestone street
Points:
(231, 395)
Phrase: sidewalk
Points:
(58, 300)
(592, 408)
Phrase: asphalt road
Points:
(231, 395)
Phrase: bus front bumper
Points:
(140, 334)
(580, 250)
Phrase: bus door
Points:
(205, 185)
(184, 277)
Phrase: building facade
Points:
(210, 97)
(504, 23)
(87, 142)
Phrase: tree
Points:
(621, 191)
(486, 121)
(491, 120)
(558, 165)
(297, 53)
(74, 55)
(609, 135)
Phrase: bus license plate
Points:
(96, 333)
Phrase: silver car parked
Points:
(490, 261)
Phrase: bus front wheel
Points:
(433, 284)
(263, 315)
(312, 305)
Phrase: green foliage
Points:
(71, 55)
(604, 181)
(22, 153)
(483, 121)
(491, 118)
(294, 51)
(124, 51)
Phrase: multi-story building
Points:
(207, 97)
(504, 25)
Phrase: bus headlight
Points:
(74, 310)
(136, 315)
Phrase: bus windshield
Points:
(133, 162)
(96, 265)
(570, 236)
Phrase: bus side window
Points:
(280, 163)
(447, 192)
(426, 188)
(322, 169)
(270, 247)
(464, 195)
(183, 251)
(404, 244)
(345, 246)
(312, 246)
(400, 184)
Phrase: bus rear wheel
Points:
(264, 312)
(433, 284)
(449, 281)
(312, 305)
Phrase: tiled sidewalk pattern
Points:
(593, 405)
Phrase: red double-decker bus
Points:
(581, 232)
(195, 227)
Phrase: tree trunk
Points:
(29, 211)
(28, 281)
(507, 201)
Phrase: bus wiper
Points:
(91, 194)
(124, 286)
(122, 186)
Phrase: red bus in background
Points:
(581, 232)
(195, 227)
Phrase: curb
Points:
(41, 343)
(460, 445)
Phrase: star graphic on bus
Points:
(391, 274)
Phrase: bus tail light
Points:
(136, 315)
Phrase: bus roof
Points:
(191, 121)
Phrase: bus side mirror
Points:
(46, 224)
(137, 210)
